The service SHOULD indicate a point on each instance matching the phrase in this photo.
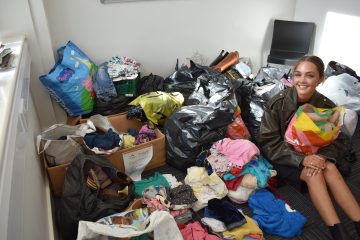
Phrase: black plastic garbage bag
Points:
(334, 68)
(251, 109)
(150, 83)
(212, 88)
(183, 80)
(116, 105)
(267, 75)
(192, 127)
(199, 85)
(80, 202)
(253, 96)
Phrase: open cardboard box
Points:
(122, 124)
(57, 174)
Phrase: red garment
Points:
(272, 187)
(236, 171)
(194, 231)
(233, 183)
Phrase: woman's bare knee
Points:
(311, 179)
(331, 172)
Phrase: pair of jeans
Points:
(103, 84)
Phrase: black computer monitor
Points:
(291, 40)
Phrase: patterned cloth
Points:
(183, 194)
(312, 128)
(123, 68)
(260, 168)
(146, 134)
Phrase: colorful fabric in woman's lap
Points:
(310, 130)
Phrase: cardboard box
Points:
(157, 145)
(56, 177)
(57, 174)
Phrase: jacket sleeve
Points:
(271, 141)
(335, 151)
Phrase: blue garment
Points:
(201, 160)
(225, 212)
(106, 141)
(228, 176)
(103, 84)
(274, 216)
(260, 169)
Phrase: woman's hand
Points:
(313, 164)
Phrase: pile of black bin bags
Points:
(209, 109)
(210, 100)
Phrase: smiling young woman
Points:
(319, 170)
(308, 74)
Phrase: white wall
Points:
(28, 17)
(336, 38)
(155, 33)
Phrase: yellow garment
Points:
(129, 141)
(159, 105)
(249, 227)
(205, 187)
(306, 124)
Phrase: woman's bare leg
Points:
(320, 197)
(341, 192)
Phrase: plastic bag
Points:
(192, 127)
(80, 202)
(150, 83)
(252, 96)
(211, 88)
(183, 80)
(350, 122)
(70, 81)
(238, 129)
(159, 105)
(342, 90)
(334, 68)
(251, 105)
(60, 144)
(160, 223)
(269, 74)
(114, 106)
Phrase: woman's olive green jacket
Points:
(275, 120)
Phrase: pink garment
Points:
(219, 163)
(153, 204)
(194, 231)
(238, 151)
(176, 213)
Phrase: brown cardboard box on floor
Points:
(122, 124)
(56, 174)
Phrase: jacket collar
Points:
(290, 102)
